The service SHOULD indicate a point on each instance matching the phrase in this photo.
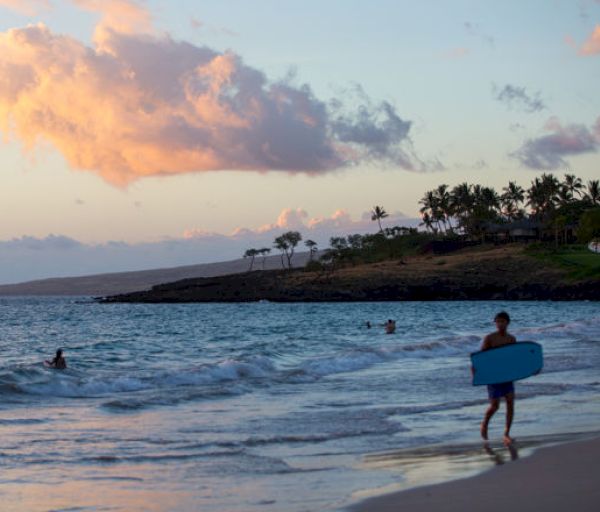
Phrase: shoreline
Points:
(553, 478)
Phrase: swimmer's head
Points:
(502, 320)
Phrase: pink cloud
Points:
(548, 152)
(457, 53)
(117, 16)
(26, 7)
(592, 44)
(297, 219)
(138, 104)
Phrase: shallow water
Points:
(257, 407)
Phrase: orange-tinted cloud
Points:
(592, 45)
(340, 222)
(26, 7)
(122, 16)
(142, 104)
(457, 53)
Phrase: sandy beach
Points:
(553, 479)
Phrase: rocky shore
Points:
(496, 274)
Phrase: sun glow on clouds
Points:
(139, 104)
(25, 7)
(592, 45)
(298, 219)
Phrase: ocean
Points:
(269, 407)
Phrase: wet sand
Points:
(553, 479)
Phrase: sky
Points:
(141, 134)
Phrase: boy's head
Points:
(502, 320)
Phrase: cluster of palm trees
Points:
(465, 208)
(286, 244)
(468, 208)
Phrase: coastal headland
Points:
(507, 272)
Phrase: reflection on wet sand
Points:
(438, 463)
(498, 456)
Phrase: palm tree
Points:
(430, 207)
(573, 184)
(564, 196)
(251, 253)
(427, 222)
(377, 214)
(490, 199)
(312, 247)
(542, 196)
(593, 192)
(510, 199)
(444, 205)
(461, 203)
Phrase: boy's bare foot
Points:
(508, 441)
(484, 430)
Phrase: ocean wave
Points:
(583, 327)
(362, 358)
(145, 387)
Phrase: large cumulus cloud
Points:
(137, 104)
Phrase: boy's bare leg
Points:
(494, 404)
(510, 412)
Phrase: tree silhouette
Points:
(264, 252)
(251, 253)
(593, 192)
(287, 244)
(312, 247)
(377, 214)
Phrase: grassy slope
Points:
(513, 261)
(578, 261)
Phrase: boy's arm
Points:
(486, 343)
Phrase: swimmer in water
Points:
(59, 362)
(390, 326)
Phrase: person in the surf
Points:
(390, 326)
(59, 362)
(506, 390)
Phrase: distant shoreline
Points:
(497, 273)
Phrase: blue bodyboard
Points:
(512, 362)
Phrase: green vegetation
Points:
(554, 212)
(589, 225)
(474, 210)
(287, 244)
(580, 262)
(392, 243)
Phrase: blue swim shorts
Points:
(500, 390)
